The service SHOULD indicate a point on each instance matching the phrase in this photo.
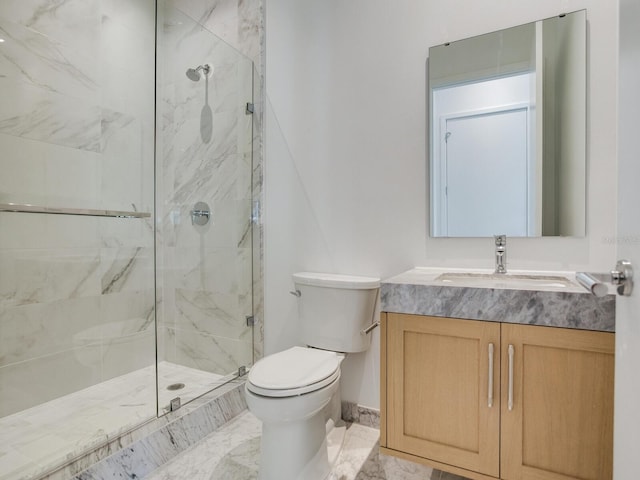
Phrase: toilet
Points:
(296, 392)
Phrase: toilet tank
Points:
(333, 310)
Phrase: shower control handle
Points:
(200, 214)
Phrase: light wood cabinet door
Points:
(438, 396)
(560, 425)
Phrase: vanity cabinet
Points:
(494, 400)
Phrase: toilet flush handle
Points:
(296, 293)
(370, 328)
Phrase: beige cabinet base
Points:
(445, 398)
(561, 424)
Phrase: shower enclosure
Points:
(125, 221)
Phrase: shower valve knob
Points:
(200, 214)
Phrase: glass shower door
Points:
(203, 192)
(77, 299)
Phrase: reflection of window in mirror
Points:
(508, 131)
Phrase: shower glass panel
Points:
(114, 298)
(203, 194)
(77, 319)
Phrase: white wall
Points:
(345, 171)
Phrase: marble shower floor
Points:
(37, 439)
(232, 453)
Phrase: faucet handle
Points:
(501, 240)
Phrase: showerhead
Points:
(194, 73)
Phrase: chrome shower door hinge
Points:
(255, 213)
(242, 371)
(250, 108)
(174, 404)
(251, 320)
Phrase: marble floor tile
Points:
(37, 439)
(233, 452)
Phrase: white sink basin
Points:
(496, 280)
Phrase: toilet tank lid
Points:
(335, 280)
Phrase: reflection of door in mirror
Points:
(507, 116)
(483, 144)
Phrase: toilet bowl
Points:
(296, 392)
(289, 392)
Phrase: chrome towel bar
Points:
(88, 212)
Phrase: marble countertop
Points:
(555, 303)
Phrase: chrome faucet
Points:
(501, 253)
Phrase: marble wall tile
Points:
(66, 232)
(38, 380)
(22, 231)
(124, 306)
(213, 354)
(209, 178)
(29, 57)
(223, 270)
(122, 354)
(24, 175)
(63, 187)
(126, 48)
(238, 22)
(250, 25)
(128, 233)
(211, 313)
(138, 17)
(124, 186)
(42, 276)
(39, 329)
(65, 21)
(126, 269)
(35, 112)
(45, 174)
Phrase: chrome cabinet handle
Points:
(511, 352)
(490, 394)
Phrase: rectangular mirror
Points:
(507, 116)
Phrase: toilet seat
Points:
(293, 372)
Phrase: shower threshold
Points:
(39, 439)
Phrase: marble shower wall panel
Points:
(77, 71)
(240, 23)
(88, 311)
(76, 130)
(207, 270)
(36, 113)
(39, 380)
(210, 353)
(40, 173)
(30, 57)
